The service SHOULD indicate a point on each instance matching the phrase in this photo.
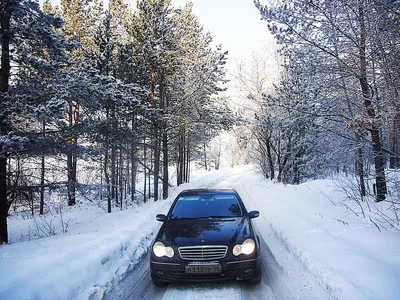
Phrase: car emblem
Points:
(202, 238)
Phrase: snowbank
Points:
(346, 254)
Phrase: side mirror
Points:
(161, 217)
(254, 214)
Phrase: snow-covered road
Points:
(312, 248)
(276, 283)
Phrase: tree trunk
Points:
(42, 173)
(379, 155)
(144, 170)
(117, 179)
(128, 184)
(360, 167)
(151, 168)
(187, 161)
(165, 163)
(73, 118)
(113, 171)
(284, 164)
(101, 182)
(280, 169)
(156, 162)
(107, 179)
(120, 177)
(183, 156)
(106, 175)
(180, 161)
(205, 156)
(359, 154)
(270, 159)
(3, 200)
(218, 160)
(394, 157)
(218, 155)
(296, 173)
(113, 157)
(5, 46)
(164, 136)
(71, 181)
(134, 166)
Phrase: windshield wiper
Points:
(206, 217)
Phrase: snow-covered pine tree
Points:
(287, 124)
(24, 29)
(198, 113)
(152, 32)
(121, 14)
(76, 16)
(114, 127)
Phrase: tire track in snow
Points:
(277, 282)
(286, 273)
(136, 284)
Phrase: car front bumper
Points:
(231, 270)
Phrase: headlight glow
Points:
(237, 250)
(247, 247)
(160, 250)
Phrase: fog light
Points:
(160, 273)
(247, 271)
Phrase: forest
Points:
(336, 106)
(95, 97)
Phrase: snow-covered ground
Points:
(347, 255)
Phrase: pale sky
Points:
(235, 24)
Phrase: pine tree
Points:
(198, 78)
(77, 23)
(153, 35)
(25, 29)
(120, 99)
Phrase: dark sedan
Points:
(207, 235)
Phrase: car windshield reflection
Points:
(207, 206)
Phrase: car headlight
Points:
(160, 250)
(247, 247)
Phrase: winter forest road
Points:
(294, 283)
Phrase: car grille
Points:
(202, 252)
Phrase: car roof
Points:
(207, 191)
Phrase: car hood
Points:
(204, 232)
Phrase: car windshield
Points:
(207, 206)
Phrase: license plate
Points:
(203, 269)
